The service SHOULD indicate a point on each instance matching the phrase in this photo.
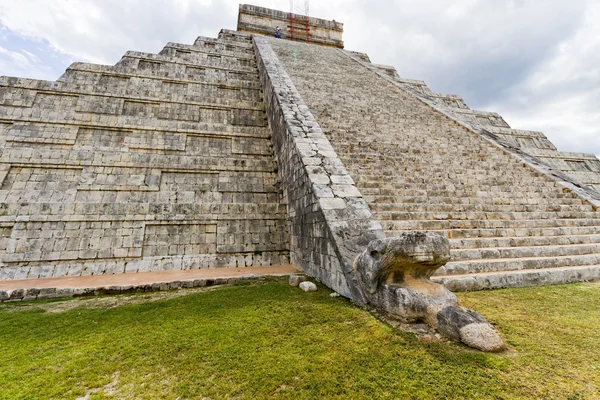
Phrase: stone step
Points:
(145, 114)
(487, 224)
(183, 50)
(38, 157)
(408, 143)
(162, 65)
(404, 167)
(409, 149)
(219, 48)
(387, 174)
(526, 241)
(410, 159)
(520, 278)
(124, 125)
(448, 176)
(158, 62)
(94, 82)
(522, 200)
(79, 73)
(230, 36)
(202, 41)
(188, 52)
(516, 232)
(77, 210)
(427, 184)
(437, 175)
(524, 252)
(492, 197)
(397, 138)
(179, 73)
(104, 99)
(449, 100)
(218, 59)
(471, 191)
(491, 216)
(415, 207)
(442, 175)
(461, 184)
(512, 264)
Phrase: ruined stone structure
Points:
(249, 150)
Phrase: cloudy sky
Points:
(536, 62)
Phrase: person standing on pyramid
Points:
(278, 32)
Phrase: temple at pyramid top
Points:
(297, 27)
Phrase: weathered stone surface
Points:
(481, 336)
(327, 230)
(308, 286)
(160, 162)
(439, 166)
(252, 276)
(395, 274)
(264, 21)
(408, 260)
(577, 171)
(47, 293)
(66, 292)
(296, 280)
(468, 327)
(16, 294)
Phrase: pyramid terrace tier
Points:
(159, 162)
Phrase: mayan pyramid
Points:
(249, 150)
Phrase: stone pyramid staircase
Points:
(162, 161)
(508, 224)
(582, 169)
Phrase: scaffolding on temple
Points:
(299, 24)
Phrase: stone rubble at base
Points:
(55, 293)
(308, 286)
(296, 280)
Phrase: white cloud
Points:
(562, 97)
(101, 31)
(22, 64)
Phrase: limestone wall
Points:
(163, 161)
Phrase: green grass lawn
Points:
(270, 340)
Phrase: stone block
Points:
(308, 286)
(296, 280)
(332, 204)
